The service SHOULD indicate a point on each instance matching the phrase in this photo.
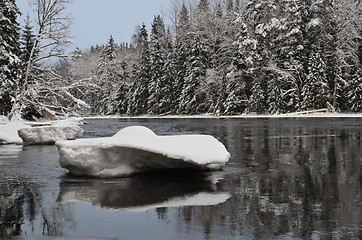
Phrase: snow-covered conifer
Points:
(157, 61)
(316, 92)
(10, 64)
(138, 99)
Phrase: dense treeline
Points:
(226, 57)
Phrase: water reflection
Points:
(304, 181)
(144, 192)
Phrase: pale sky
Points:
(95, 20)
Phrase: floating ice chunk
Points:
(9, 132)
(138, 149)
(49, 134)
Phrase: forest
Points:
(220, 57)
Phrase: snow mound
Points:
(9, 132)
(49, 134)
(137, 149)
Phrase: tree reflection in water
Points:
(21, 203)
(303, 181)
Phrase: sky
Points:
(95, 20)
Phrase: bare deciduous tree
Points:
(40, 86)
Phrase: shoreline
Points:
(243, 116)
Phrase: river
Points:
(297, 178)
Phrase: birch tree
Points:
(51, 36)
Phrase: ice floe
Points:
(49, 134)
(137, 149)
(9, 132)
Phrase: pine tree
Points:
(10, 64)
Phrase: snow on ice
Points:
(49, 134)
(44, 132)
(9, 132)
(138, 149)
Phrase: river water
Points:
(286, 179)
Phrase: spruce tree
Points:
(181, 50)
(265, 25)
(10, 64)
(347, 19)
(190, 99)
(138, 99)
(107, 77)
(291, 50)
(157, 61)
(170, 95)
(27, 39)
(237, 88)
(354, 93)
(322, 36)
(316, 92)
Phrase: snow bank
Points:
(49, 134)
(9, 132)
(138, 149)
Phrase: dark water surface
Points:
(286, 179)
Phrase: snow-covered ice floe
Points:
(49, 134)
(138, 149)
(58, 131)
(9, 132)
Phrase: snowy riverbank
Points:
(208, 116)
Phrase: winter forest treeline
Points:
(220, 57)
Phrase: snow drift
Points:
(138, 149)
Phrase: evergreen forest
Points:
(220, 57)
